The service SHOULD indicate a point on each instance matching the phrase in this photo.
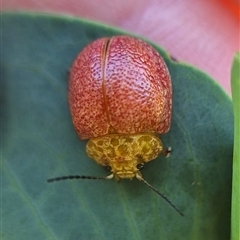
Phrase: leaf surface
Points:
(39, 142)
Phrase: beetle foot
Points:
(166, 152)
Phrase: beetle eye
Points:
(108, 168)
(140, 166)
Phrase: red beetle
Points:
(120, 97)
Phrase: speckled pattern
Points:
(85, 91)
(119, 85)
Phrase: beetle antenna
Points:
(160, 194)
(77, 177)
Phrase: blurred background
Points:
(204, 33)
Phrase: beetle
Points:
(120, 98)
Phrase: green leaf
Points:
(235, 83)
(39, 142)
